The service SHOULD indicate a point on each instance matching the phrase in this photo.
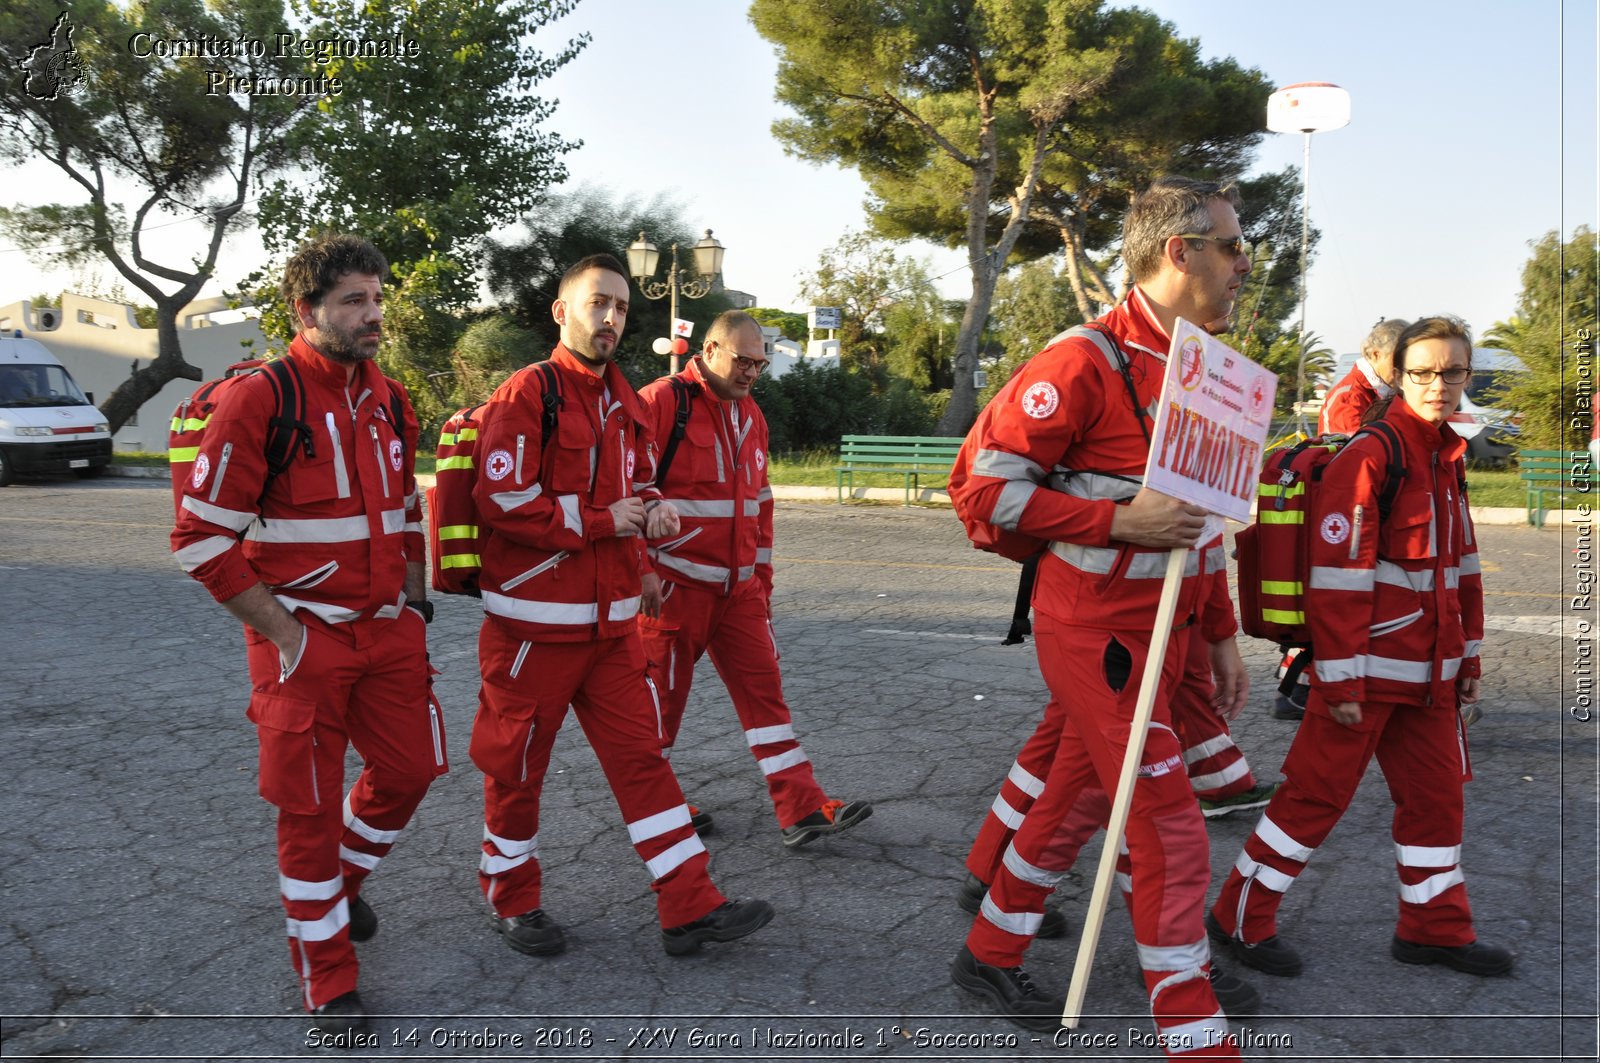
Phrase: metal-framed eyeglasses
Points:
(1456, 374)
(1233, 246)
(743, 364)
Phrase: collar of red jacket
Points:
(609, 378)
(1135, 324)
(1423, 435)
(316, 366)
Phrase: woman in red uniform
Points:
(1395, 604)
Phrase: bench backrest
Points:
(1562, 461)
(898, 450)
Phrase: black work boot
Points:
(363, 920)
(729, 922)
(533, 933)
(1010, 989)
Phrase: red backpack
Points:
(1274, 553)
(287, 430)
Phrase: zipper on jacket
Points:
(433, 726)
(521, 439)
(528, 744)
(522, 655)
(341, 474)
(516, 581)
(222, 470)
(383, 462)
(1355, 533)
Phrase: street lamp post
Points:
(643, 257)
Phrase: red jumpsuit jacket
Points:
(334, 533)
(718, 482)
(1395, 608)
(1063, 446)
(1347, 400)
(553, 571)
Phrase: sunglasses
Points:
(1233, 245)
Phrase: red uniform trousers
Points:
(1423, 753)
(527, 689)
(1215, 766)
(1168, 852)
(737, 633)
(364, 683)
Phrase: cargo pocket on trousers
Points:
(1118, 665)
(288, 759)
(502, 732)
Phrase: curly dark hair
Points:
(320, 263)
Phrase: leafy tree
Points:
(1283, 358)
(810, 407)
(965, 118)
(1032, 305)
(148, 121)
(524, 272)
(487, 353)
(789, 324)
(1559, 285)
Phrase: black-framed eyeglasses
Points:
(1454, 375)
(743, 364)
(1234, 246)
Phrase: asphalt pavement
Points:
(137, 861)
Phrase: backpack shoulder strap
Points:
(287, 429)
(1102, 338)
(1396, 472)
(685, 391)
(550, 384)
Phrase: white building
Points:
(101, 344)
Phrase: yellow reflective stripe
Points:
(182, 454)
(462, 461)
(1282, 616)
(1279, 491)
(1272, 516)
(460, 561)
(1272, 586)
(458, 531)
(447, 439)
(467, 435)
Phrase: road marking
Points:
(930, 634)
(1558, 626)
(75, 522)
(780, 561)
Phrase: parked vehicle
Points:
(47, 424)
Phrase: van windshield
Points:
(38, 385)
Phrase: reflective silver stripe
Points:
(1270, 877)
(1473, 647)
(368, 861)
(763, 555)
(765, 494)
(761, 736)
(572, 513)
(675, 857)
(1470, 565)
(412, 527)
(366, 830)
(194, 555)
(1002, 465)
(623, 609)
(1213, 780)
(1427, 855)
(411, 500)
(499, 865)
(321, 929)
(746, 572)
(1394, 576)
(1209, 748)
(1030, 873)
(653, 826)
(509, 500)
(1094, 486)
(298, 889)
(1014, 497)
(773, 765)
(1025, 780)
(1003, 811)
(1216, 560)
(1329, 578)
(234, 519)
(323, 530)
(1189, 957)
(1099, 561)
(1124, 882)
(512, 846)
(1278, 840)
(692, 569)
(1452, 577)
(1194, 1035)
(1430, 887)
(341, 475)
(713, 507)
(1401, 671)
(1023, 924)
(1341, 670)
(540, 612)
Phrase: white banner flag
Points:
(683, 328)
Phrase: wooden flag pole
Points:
(1144, 709)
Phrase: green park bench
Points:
(1551, 470)
(910, 457)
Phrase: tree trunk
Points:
(142, 386)
(1075, 275)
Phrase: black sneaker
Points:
(363, 920)
(970, 899)
(342, 1014)
(831, 818)
(1256, 797)
(1487, 961)
(1237, 997)
(1270, 956)
(700, 821)
(729, 922)
(1290, 708)
(533, 933)
(1010, 990)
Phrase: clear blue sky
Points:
(1472, 133)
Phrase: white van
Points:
(47, 424)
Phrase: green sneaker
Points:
(1257, 797)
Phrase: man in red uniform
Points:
(561, 592)
(711, 588)
(1061, 459)
(321, 569)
